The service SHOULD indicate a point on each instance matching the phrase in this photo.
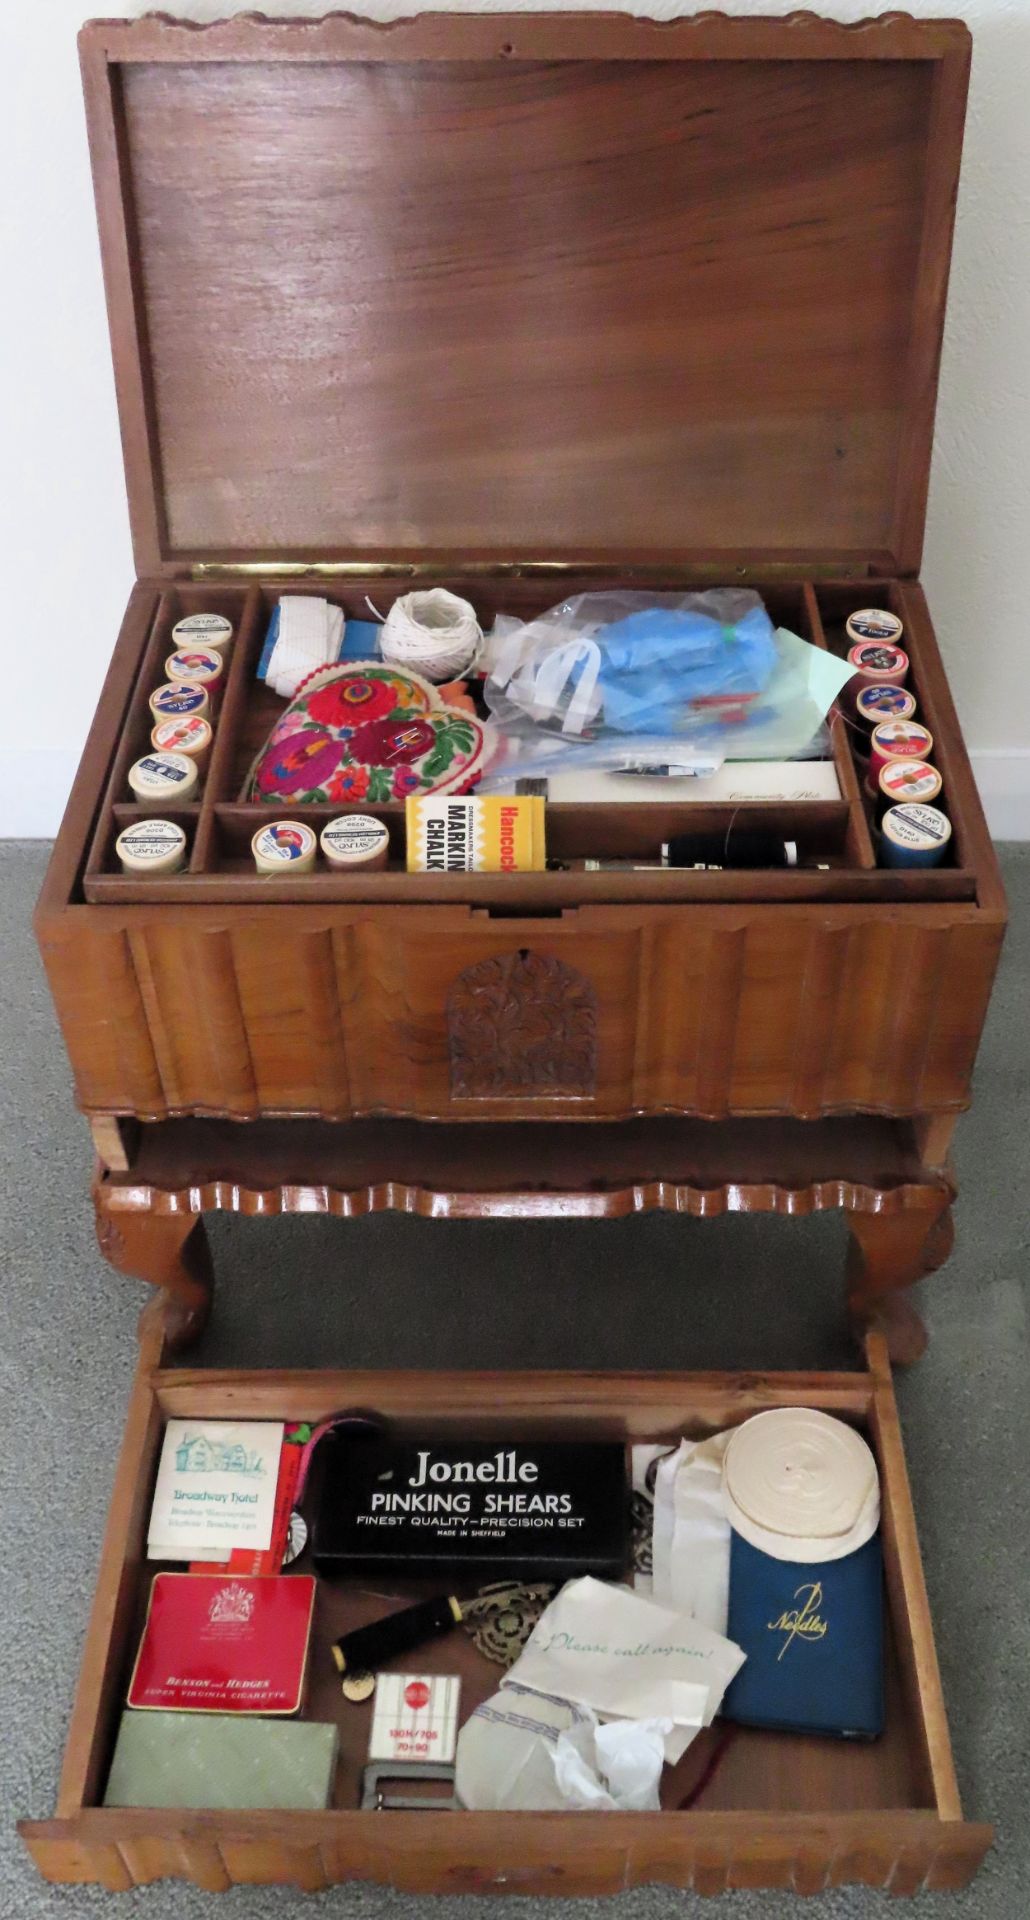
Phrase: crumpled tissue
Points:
(522, 1751)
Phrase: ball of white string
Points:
(432, 631)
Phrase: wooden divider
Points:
(243, 663)
(860, 840)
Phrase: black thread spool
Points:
(738, 847)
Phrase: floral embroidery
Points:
(348, 783)
(290, 723)
(299, 763)
(391, 743)
(405, 781)
(347, 702)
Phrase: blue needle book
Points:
(813, 1635)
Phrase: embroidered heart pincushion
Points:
(366, 731)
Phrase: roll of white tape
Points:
(800, 1485)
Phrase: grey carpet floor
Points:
(392, 1291)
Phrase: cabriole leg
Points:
(170, 1251)
(887, 1253)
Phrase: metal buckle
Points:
(375, 1799)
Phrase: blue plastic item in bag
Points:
(635, 663)
(659, 663)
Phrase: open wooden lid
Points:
(528, 288)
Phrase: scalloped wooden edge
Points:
(651, 1196)
(710, 34)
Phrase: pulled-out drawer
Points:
(779, 1810)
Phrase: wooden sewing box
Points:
(524, 304)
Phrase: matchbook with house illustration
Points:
(215, 1489)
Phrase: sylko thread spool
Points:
(210, 630)
(161, 780)
(874, 623)
(176, 699)
(897, 740)
(905, 780)
(914, 836)
(878, 702)
(879, 661)
(284, 847)
(355, 843)
(198, 667)
(151, 847)
(191, 735)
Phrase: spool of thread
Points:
(433, 631)
(151, 847)
(197, 667)
(738, 848)
(897, 740)
(366, 1649)
(163, 779)
(175, 699)
(904, 780)
(800, 1485)
(191, 735)
(879, 702)
(284, 847)
(355, 842)
(211, 630)
(914, 836)
(874, 660)
(874, 623)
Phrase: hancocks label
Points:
(494, 834)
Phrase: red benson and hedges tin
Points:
(532, 1510)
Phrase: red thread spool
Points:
(897, 740)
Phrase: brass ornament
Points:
(502, 1616)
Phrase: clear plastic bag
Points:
(634, 663)
(785, 722)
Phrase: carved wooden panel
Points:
(522, 1025)
(427, 1012)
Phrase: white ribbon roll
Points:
(800, 1485)
(433, 631)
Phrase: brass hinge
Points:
(372, 569)
(690, 573)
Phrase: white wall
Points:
(67, 564)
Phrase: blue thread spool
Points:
(914, 836)
(876, 703)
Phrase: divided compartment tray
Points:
(220, 825)
(779, 1810)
